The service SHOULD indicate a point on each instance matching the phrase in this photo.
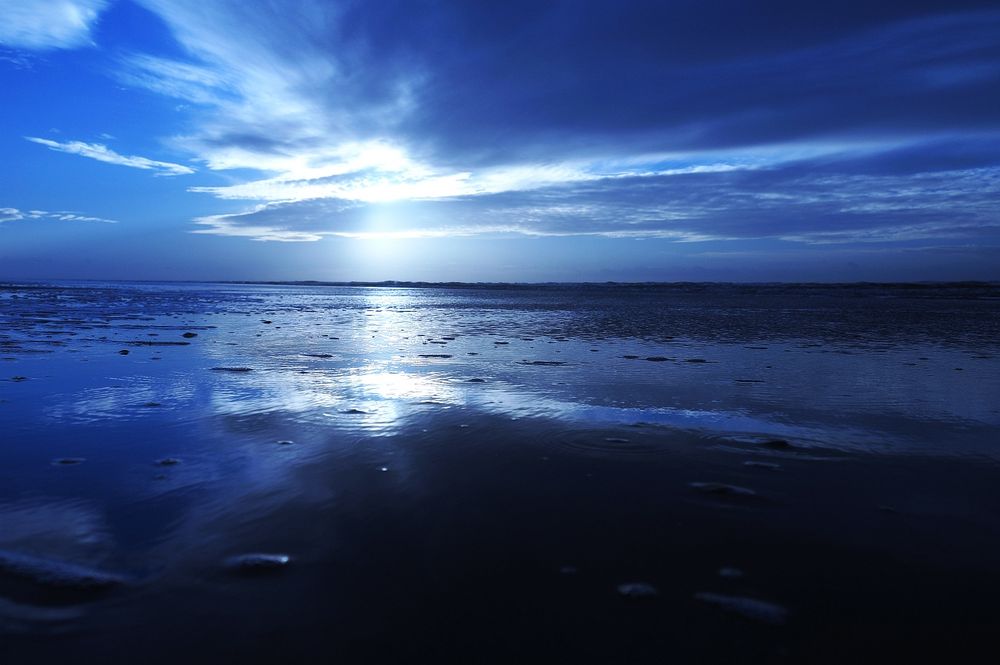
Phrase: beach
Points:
(606, 473)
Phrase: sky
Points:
(455, 140)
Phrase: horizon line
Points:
(480, 284)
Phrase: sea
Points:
(485, 473)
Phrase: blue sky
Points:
(499, 141)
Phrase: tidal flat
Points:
(690, 473)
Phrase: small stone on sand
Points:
(722, 489)
(637, 590)
(68, 461)
(56, 573)
(257, 562)
(750, 608)
(762, 465)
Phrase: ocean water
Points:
(658, 473)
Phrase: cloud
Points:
(856, 124)
(376, 104)
(49, 24)
(15, 215)
(458, 88)
(370, 178)
(102, 153)
(821, 200)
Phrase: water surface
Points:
(470, 474)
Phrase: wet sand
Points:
(332, 474)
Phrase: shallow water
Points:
(472, 474)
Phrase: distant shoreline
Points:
(916, 285)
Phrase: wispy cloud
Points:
(818, 202)
(102, 153)
(372, 177)
(49, 24)
(15, 215)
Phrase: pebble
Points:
(723, 489)
(762, 465)
(750, 608)
(257, 562)
(68, 461)
(637, 590)
(54, 573)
